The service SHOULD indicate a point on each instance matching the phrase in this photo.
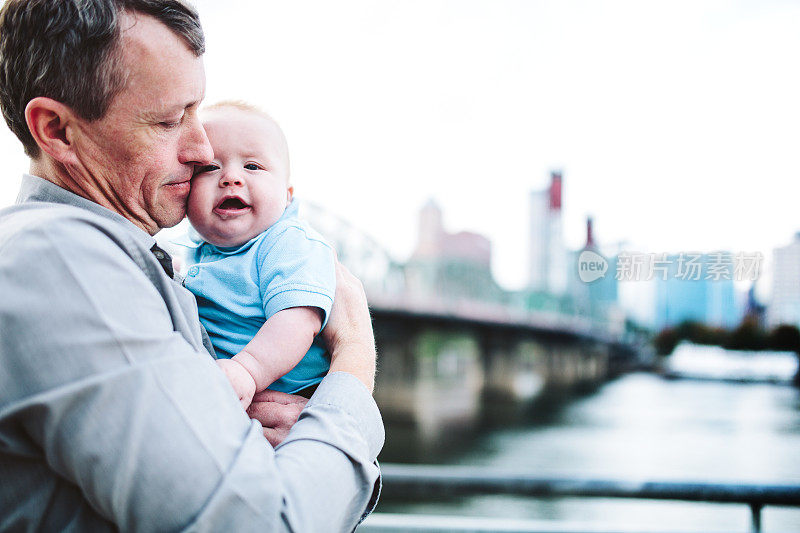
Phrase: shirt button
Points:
(193, 271)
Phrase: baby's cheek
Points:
(195, 204)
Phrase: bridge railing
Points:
(426, 481)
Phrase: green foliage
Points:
(785, 337)
(748, 335)
(666, 341)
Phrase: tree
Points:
(747, 336)
(785, 338)
(666, 341)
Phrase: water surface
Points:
(643, 427)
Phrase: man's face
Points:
(245, 189)
(140, 156)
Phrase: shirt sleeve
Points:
(296, 269)
(120, 405)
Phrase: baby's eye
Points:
(251, 166)
(205, 168)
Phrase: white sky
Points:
(676, 124)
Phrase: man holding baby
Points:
(113, 415)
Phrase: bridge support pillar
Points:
(513, 368)
(576, 364)
(429, 380)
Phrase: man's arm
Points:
(276, 348)
(144, 427)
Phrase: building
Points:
(754, 311)
(455, 266)
(694, 287)
(596, 299)
(785, 305)
(602, 291)
(548, 257)
(433, 242)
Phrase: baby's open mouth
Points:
(231, 205)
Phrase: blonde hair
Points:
(241, 105)
(247, 107)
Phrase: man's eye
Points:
(251, 166)
(170, 124)
(205, 168)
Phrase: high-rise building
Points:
(548, 256)
(785, 305)
(602, 291)
(690, 288)
(598, 296)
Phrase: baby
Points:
(264, 281)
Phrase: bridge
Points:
(443, 359)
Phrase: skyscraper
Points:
(785, 305)
(598, 296)
(548, 257)
(695, 294)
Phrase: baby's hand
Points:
(241, 380)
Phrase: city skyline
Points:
(674, 125)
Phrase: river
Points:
(639, 427)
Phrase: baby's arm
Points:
(278, 346)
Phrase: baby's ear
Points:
(289, 193)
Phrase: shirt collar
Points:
(36, 189)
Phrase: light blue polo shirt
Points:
(239, 288)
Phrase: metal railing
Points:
(426, 481)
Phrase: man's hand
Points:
(277, 412)
(241, 380)
(348, 334)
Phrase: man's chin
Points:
(172, 215)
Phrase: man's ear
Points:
(289, 193)
(51, 124)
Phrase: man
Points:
(112, 414)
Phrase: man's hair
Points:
(70, 51)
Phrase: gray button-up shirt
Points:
(112, 413)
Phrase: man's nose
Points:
(196, 148)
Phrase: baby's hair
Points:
(247, 107)
(241, 105)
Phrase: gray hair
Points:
(69, 50)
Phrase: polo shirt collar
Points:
(36, 189)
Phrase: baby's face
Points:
(245, 189)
